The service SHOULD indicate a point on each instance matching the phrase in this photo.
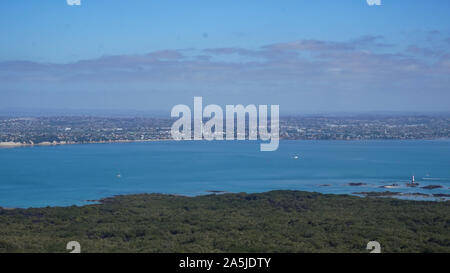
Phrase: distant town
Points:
(85, 129)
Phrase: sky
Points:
(316, 56)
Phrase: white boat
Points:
(394, 186)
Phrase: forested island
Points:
(276, 221)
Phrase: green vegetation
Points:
(277, 221)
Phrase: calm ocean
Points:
(71, 174)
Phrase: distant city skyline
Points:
(307, 56)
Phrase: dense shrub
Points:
(277, 221)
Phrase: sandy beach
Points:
(18, 144)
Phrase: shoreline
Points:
(19, 144)
(9, 145)
(415, 197)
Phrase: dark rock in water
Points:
(2, 208)
(378, 194)
(431, 187)
(324, 185)
(214, 191)
(392, 194)
(441, 195)
(357, 184)
(416, 194)
(412, 185)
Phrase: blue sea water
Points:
(72, 174)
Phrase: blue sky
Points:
(307, 56)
